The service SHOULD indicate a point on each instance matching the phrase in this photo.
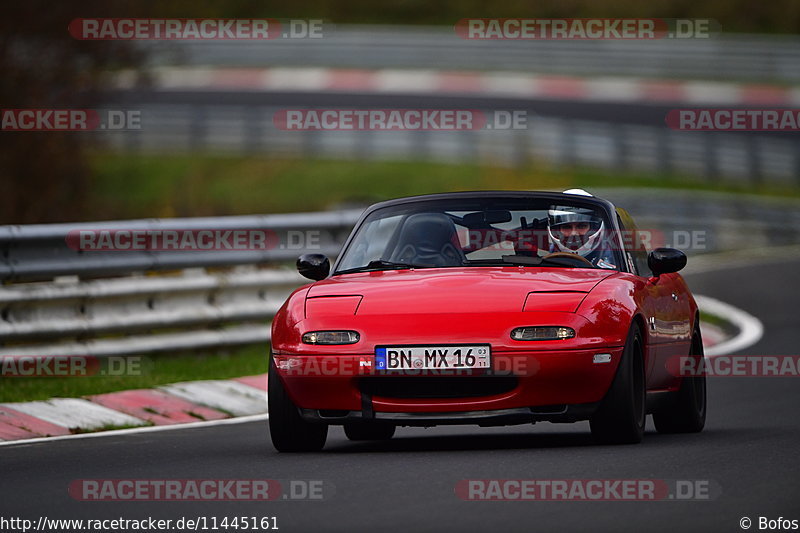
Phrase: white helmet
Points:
(576, 244)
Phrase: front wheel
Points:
(288, 430)
(685, 411)
(621, 416)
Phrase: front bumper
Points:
(340, 388)
(487, 418)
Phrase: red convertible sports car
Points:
(487, 308)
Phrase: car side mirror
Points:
(665, 260)
(313, 266)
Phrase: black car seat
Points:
(428, 239)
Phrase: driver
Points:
(578, 230)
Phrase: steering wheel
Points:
(567, 255)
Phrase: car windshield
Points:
(484, 231)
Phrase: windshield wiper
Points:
(538, 261)
(380, 264)
(524, 260)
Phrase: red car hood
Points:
(445, 290)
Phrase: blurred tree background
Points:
(741, 16)
(45, 175)
(48, 177)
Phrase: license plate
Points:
(432, 357)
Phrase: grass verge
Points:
(720, 323)
(155, 370)
(137, 186)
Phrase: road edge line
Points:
(751, 330)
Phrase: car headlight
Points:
(331, 337)
(542, 333)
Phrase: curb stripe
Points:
(344, 80)
(712, 335)
(259, 381)
(167, 405)
(228, 396)
(75, 413)
(143, 429)
(427, 81)
(17, 425)
(156, 406)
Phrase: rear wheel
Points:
(288, 430)
(369, 431)
(621, 416)
(685, 412)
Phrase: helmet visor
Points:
(573, 226)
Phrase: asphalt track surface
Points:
(748, 451)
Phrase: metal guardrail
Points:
(215, 299)
(762, 58)
(41, 251)
(179, 301)
(718, 156)
(139, 315)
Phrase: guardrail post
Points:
(253, 128)
(664, 152)
(521, 141)
(422, 144)
(620, 148)
(568, 152)
(311, 143)
(753, 158)
(198, 127)
(365, 144)
(711, 169)
(796, 160)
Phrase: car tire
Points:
(369, 431)
(288, 430)
(620, 419)
(685, 411)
